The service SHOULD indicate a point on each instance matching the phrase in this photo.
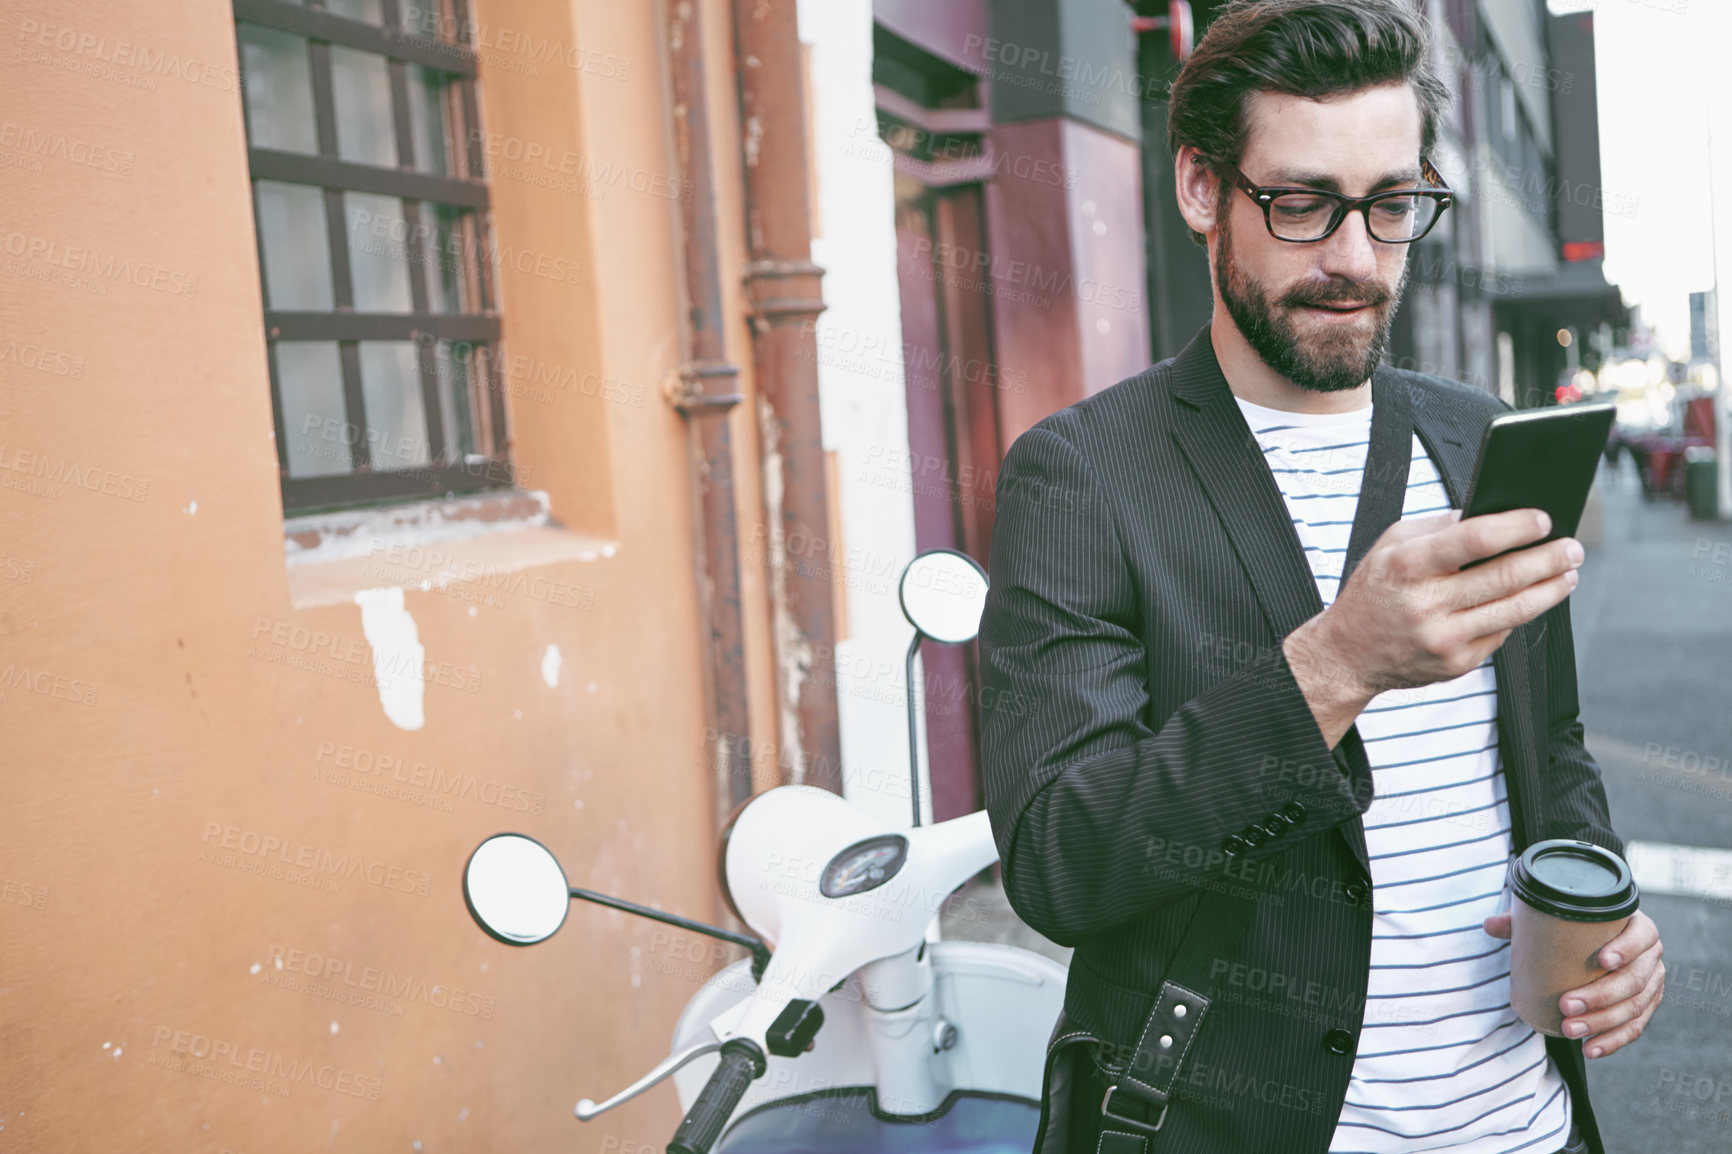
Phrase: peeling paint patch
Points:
(754, 137)
(793, 650)
(550, 663)
(398, 655)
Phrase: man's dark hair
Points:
(1308, 48)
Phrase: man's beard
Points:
(1327, 362)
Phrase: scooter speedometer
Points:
(864, 866)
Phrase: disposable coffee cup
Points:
(1571, 898)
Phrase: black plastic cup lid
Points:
(1574, 880)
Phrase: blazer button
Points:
(1275, 825)
(1339, 1041)
(1355, 894)
(1293, 811)
(1253, 835)
(1233, 845)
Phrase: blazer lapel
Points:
(1211, 432)
(1452, 446)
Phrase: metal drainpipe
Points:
(710, 393)
(782, 287)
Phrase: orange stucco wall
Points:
(231, 916)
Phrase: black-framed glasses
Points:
(1306, 215)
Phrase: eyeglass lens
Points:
(1392, 219)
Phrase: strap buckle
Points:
(1134, 1123)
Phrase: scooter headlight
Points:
(863, 866)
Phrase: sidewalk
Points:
(1653, 625)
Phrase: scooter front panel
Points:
(844, 1122)
(1002, 1000)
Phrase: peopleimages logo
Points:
(599, 174)
(58, 146)
(505, 42)
(356, 765)
(232, 847)
(252, 1067)
(369, 987)
(136, 64)
(45, 472)
(42, 359)
(95, 264)
(22, 893)
(314, 650)
(46, 683)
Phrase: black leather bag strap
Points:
(1182, 1004)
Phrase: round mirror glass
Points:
(943, 594)
(515, 889)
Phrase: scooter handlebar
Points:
(742, 1062)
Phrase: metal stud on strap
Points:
(1172, 1027)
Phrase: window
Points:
(374, 249)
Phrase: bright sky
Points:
(1656, 94)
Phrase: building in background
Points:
(411, 433)
(1506, 293)
(1705, 328)
(993, 148)
(1535, 81)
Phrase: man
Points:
(1270, 806)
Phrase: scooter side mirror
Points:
(943, 594)
(515, 889)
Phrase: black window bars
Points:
(428, 227)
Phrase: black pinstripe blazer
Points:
(1138, 711)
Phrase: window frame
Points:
(448, 470)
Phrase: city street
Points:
(1653, 622)
(1653, 625)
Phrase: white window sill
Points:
(470, 548)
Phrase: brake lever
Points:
(587, 1109)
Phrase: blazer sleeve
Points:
(1098, 817)
(1576, 797)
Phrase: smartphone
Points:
(1540, 459)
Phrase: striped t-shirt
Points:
(1443, 1062)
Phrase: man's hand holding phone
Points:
(1409, 615)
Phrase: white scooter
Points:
(858, 1033)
